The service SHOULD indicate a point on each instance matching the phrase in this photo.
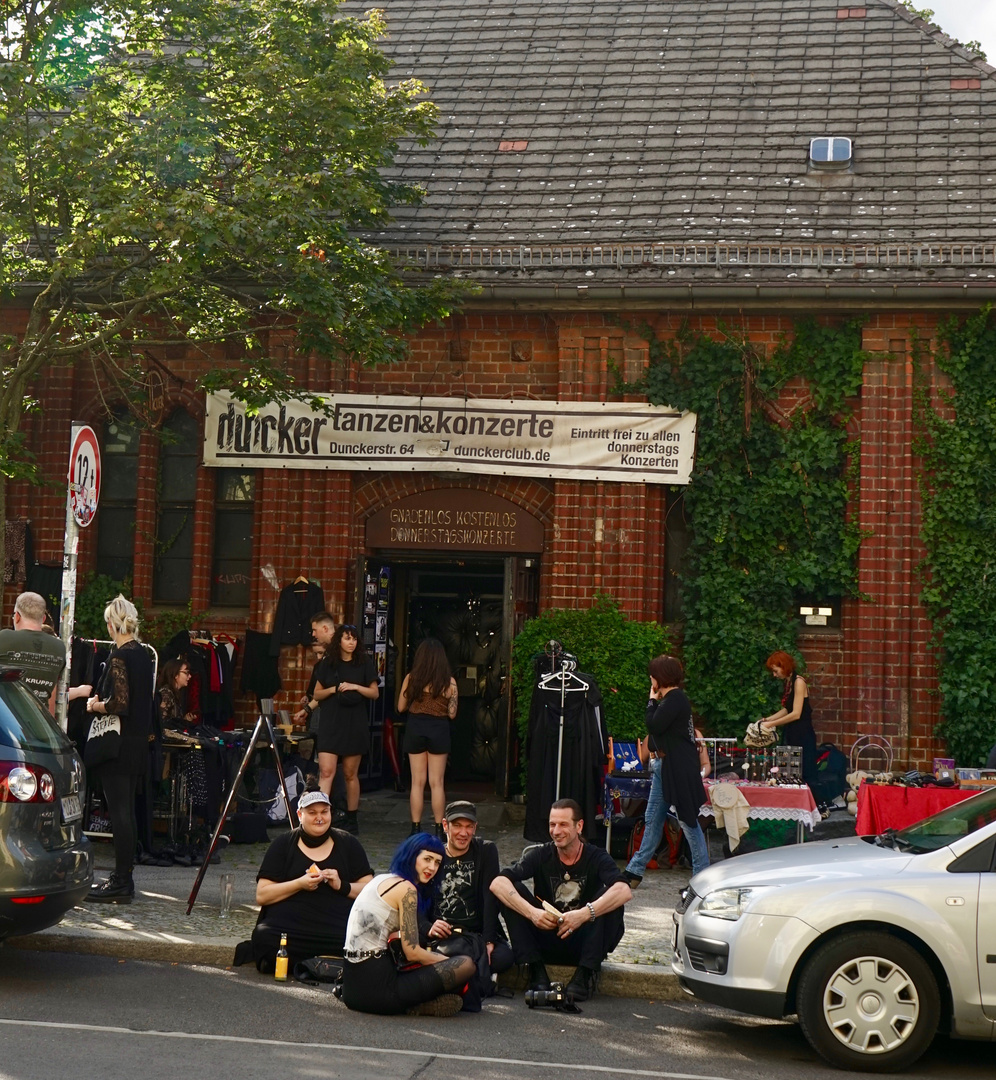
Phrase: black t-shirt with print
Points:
(566, 887)
(457, 902)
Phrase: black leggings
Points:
(119, 794)
(376, 986)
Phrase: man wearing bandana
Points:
(306, 886)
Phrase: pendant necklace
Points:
(567, 876)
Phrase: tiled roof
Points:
(579, 122)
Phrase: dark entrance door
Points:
(460, 602)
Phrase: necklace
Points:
(573, 862)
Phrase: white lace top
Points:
(371, 921)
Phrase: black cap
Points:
(461, 809)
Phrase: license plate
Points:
(71, 809)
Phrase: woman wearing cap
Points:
(429, 694)
(390, 903)
(346, 684)
(306, 886)
(795, 717)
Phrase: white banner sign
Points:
(577, 440)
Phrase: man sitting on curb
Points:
(584, 885)
(466, 913)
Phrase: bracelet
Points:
(344, 887)
(591, 911)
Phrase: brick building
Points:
(600, 164)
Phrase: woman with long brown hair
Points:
(429, 693)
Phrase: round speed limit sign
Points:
(84, 476)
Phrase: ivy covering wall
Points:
(767, 504)
(957, 446)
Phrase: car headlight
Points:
(727, 904)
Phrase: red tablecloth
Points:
(891, 806)
(779, 802)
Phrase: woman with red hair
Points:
(795, 715)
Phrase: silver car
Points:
(46, 865)
(874, 942)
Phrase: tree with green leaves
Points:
(197, 172)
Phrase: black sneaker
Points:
(583, 984)
(538, 977)
(631, 879)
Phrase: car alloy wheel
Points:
(868, 1001)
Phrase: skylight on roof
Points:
(830, 152)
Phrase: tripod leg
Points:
(280, 771)
(250, 749)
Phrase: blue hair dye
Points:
(403, 864)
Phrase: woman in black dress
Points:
(795, 717)
(125, 691)
(347, 683)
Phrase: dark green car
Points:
(46, 865)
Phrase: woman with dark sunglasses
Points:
(346, 684)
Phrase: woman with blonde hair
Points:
(125, 693)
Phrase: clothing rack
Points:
(559, 680)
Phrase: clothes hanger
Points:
(559, 681)
(301, 580)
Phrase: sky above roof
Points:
(967, 20)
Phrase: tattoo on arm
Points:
(409, 919)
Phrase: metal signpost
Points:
(81, 508)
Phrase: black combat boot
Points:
(117, 889)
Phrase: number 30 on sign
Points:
(84, 476)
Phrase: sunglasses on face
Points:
(348, 628)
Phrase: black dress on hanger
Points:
(583, 760)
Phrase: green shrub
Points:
(614, 649)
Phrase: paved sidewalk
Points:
(155, 925)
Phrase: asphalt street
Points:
(65, 1016)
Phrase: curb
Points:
(654, 982)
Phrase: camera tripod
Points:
(247, 757)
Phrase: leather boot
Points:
(117, 889)
(539, 979)
(350, 825)
(416, 828)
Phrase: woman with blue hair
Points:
(390, 903)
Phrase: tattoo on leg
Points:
(455, 972)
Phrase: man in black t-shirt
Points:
(466, 913)
(583, 884)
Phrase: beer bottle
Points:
(280, 971)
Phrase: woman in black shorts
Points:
(371, 981)
(347, 683)
(429, 693)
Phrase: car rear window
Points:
(24, 724)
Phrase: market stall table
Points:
(782, 802)
(894, 806)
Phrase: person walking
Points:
(675, 769)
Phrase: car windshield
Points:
(24, 724)
(949, 825)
